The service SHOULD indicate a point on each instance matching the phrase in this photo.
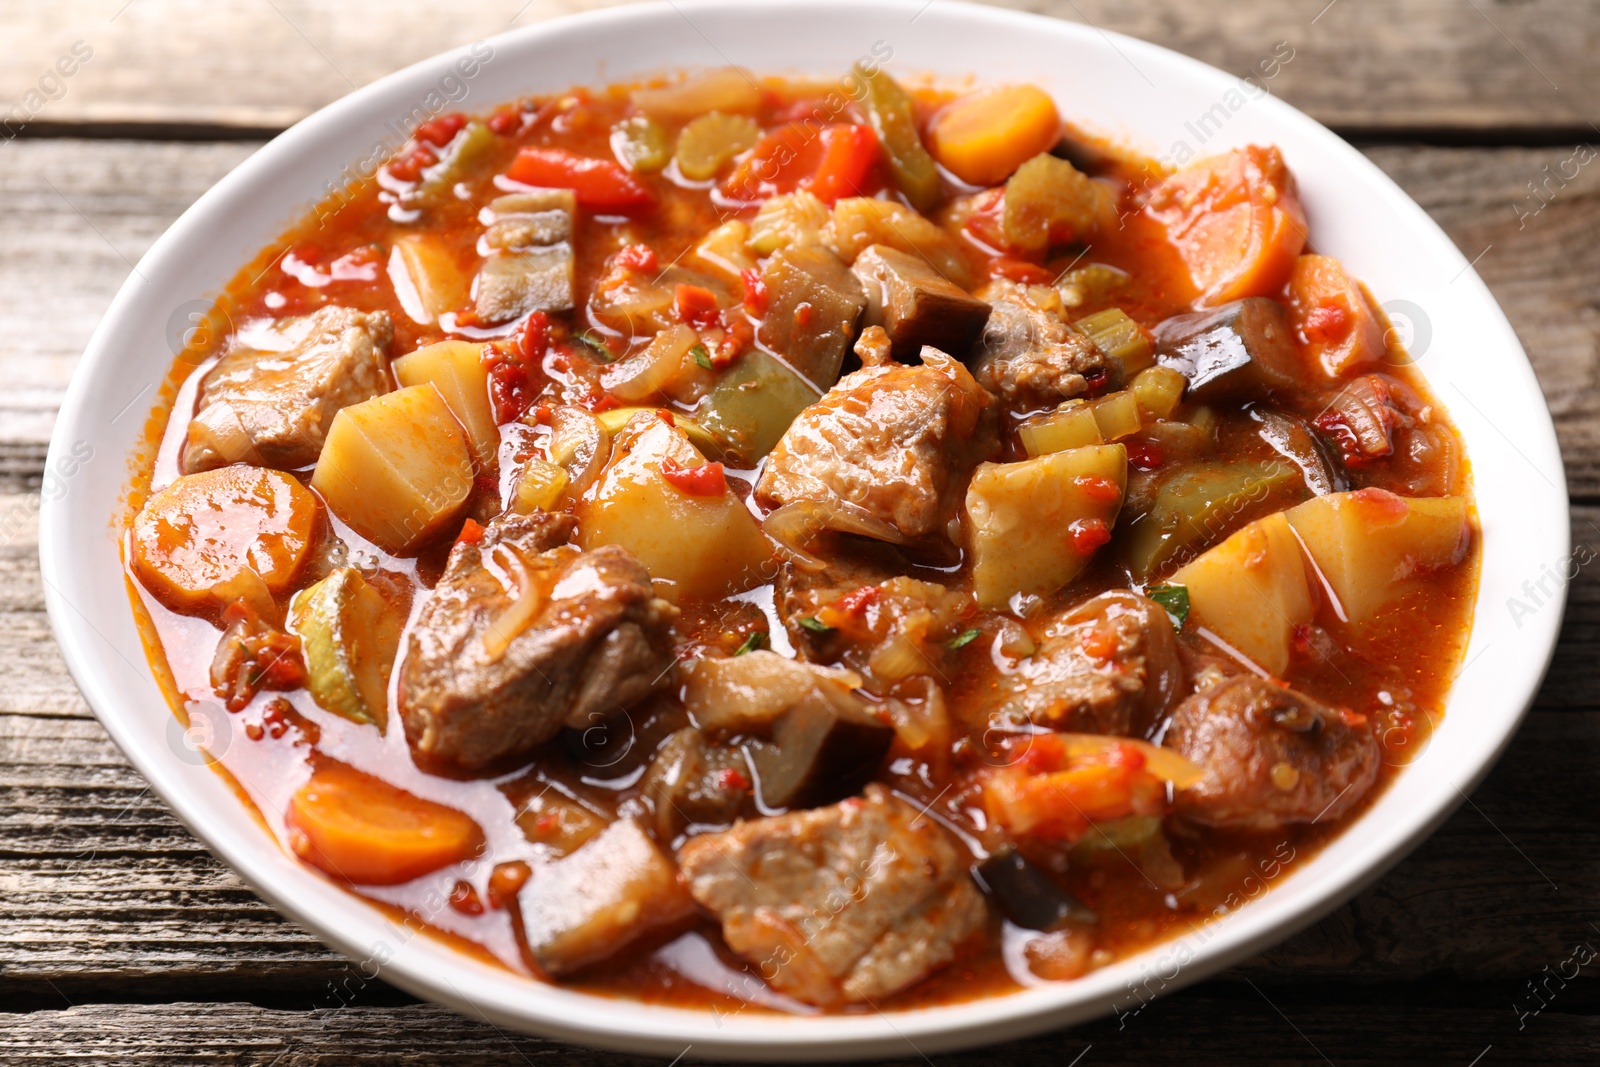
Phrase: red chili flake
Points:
(1353, 719)
(253, 731)
(535, 336)
(1145, 456)
(548, 823)
(1096, 379)
(542, 414)
(1088, 535)
(605, 403)
(1019, 270)
(708, 479)
(803, 313)
(666, 416)
(1100, 490)
(1326, 323)
(756, 296)
(505, 120)
(442, 130)
(471, 533)
(505, 880)
(638, 257)
(730, 779)
(696, 305)
(858, 601)
(737, 338)
(464, 899)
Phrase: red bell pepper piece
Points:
(708, 479)
(600, 184)
(848, 152)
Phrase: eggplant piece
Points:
(614, 890)
(694, 782)
(1026, 895)
(1238, 351)
(511, 284)
(753, 404)
(1293, 440)
(530, 263)
(1196, 506)
(821, 753)
(814, 309)
(917, 305)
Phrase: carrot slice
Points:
(983, 137)
(1336, 324)
(363, 830)
(1236, 222)
(199, 535)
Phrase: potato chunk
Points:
(1035, 524)
(1370, 542)
(194, 541)
(396, 468)
(1251, 591)
(456, 369)
(693, 545)
(427, 279)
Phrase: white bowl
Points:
(1148, 96)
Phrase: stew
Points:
(804, 546)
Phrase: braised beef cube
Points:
(1239, 351)
(270, 401)
(894, 442)
(1029, 357)
(814, 308)
(838, 905)
(692, 782)
(490, 670)
(615, 890)
(511, 284)
(821, 751)
(1026, 895)
(1108, 666)
(1272, 755)
(917, 305)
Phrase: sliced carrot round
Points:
(983, 137)
(363, 830)
(1235, 220)
(204, 531)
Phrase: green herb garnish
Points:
(815, 625)
(756, 640)
(1175, 598)
(963, 639)
(701, 356)
(594, 344)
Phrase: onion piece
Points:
(795, 524)
(1161, 762)
(519, 613)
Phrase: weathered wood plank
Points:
(84, 211)
(1199, 1028)
(1491, 66)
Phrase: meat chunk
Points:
(1238, 351)
(1029, 357)
(838, 905)
(613, 891)
(692, 782)
(1272, 755)
(1108, 666)
(894, 441)
(270, 402)
(916, 305)
(814, 307)
(524, 634)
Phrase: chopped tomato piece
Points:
(1019, 270)
(696, 305)
(1236, 222)
(600, 184)
(638, 257)
(1090, 534)
(708, 479)
(755, 292)
(442, 130)
(848, 153)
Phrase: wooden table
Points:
(122, 939)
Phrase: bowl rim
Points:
(433, 970)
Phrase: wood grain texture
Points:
(1491, 67)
